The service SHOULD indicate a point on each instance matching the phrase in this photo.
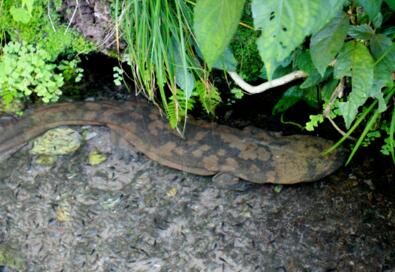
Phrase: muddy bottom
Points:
(130, 214)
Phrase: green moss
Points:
(34, 41)
(11, 260)
(244, 48)
(40, 29)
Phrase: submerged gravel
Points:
(129, 213)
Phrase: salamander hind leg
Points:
(231, 182)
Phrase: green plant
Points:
(70, 70)
(34, 28)
(332, 44)
(26, 70)
(161, 47)
(244, 47)
(118, 75)
(237, 94)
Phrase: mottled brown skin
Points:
(207, 148)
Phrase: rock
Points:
(45, 160)
(59, 141)
(9, 260)
(96, 157)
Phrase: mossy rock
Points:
(96, 158)
(59, 141)
(10, 259)
(15, 106)
(45, 160)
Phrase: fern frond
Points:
(178, 107)
(208, 95)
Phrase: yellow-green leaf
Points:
(20, 15)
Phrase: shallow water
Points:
(130, 214)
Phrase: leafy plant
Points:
(26, 70)
(118, 78)
(225, 16)
(334, 45)
(70, 70)
(34, 40)
(161, 47)
(208, 95)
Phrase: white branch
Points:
(267, 85)
(72, 16)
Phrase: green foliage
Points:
(238, 93)
(286, 24)
(349, 60)
(357, 63)
(245, 49)
(326, 43)
(70, 70)
(225, 16)
(118, 78)
(26, 70)
(178, 107)
(368, 126)
(315, 120)
(293, 95)
(38, 41)
(161, 47)
(42, 26)
(208, 96)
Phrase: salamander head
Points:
(296, 159)
(306, 161)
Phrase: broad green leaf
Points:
(362, 73)
(226, 61)
(391, 4)
(215, 23)
(361, 32)
(329, 9)
(325, 44)
(372, 8)
(383, 49)
(295, 94)
(20, 15)
(289, 98)
(328, 89)
(285, 24)
(279, 72)
(344, 62)
(310, 96)
(382, 78)
(303, 62)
